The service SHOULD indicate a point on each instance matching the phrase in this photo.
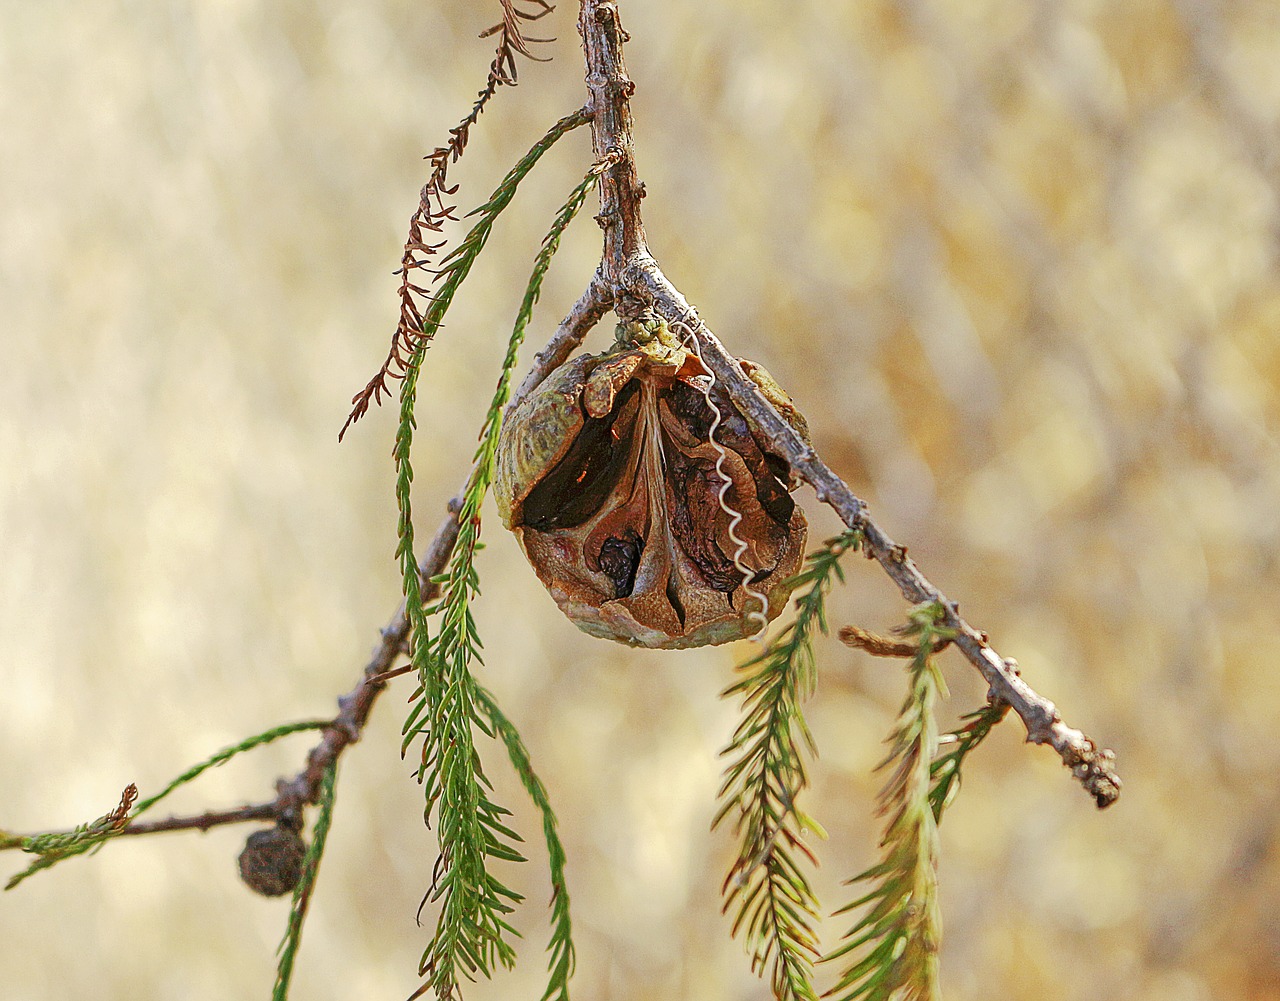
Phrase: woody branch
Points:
(629, 281)
(637, 282)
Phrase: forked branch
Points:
(768, 773)
(637, 283)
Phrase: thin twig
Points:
(638, 283)
(205, 821)
(883, 646)
(586, 313)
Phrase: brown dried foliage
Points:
(435, 205)
(883, 646)
(118, 817)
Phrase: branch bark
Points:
(586, 313)
(637, 283)
(609, 92)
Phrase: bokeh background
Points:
(1015, 259)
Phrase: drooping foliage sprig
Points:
(306, 883)
(472, 930)
(560, 947)
(436, 206)
(51, 849)
(945, 770)
(894, 944)
(481, 477)
(453, 271)
(776, 906)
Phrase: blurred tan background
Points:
(1017, 261)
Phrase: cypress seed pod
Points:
(271, 863)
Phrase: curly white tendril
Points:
(760, 615)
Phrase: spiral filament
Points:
(759, 614)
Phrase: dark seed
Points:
(620, 559)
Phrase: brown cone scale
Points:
(606, 474)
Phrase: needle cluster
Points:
(306, 884)
(775, 903)
(894, 944)
(473, 934)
